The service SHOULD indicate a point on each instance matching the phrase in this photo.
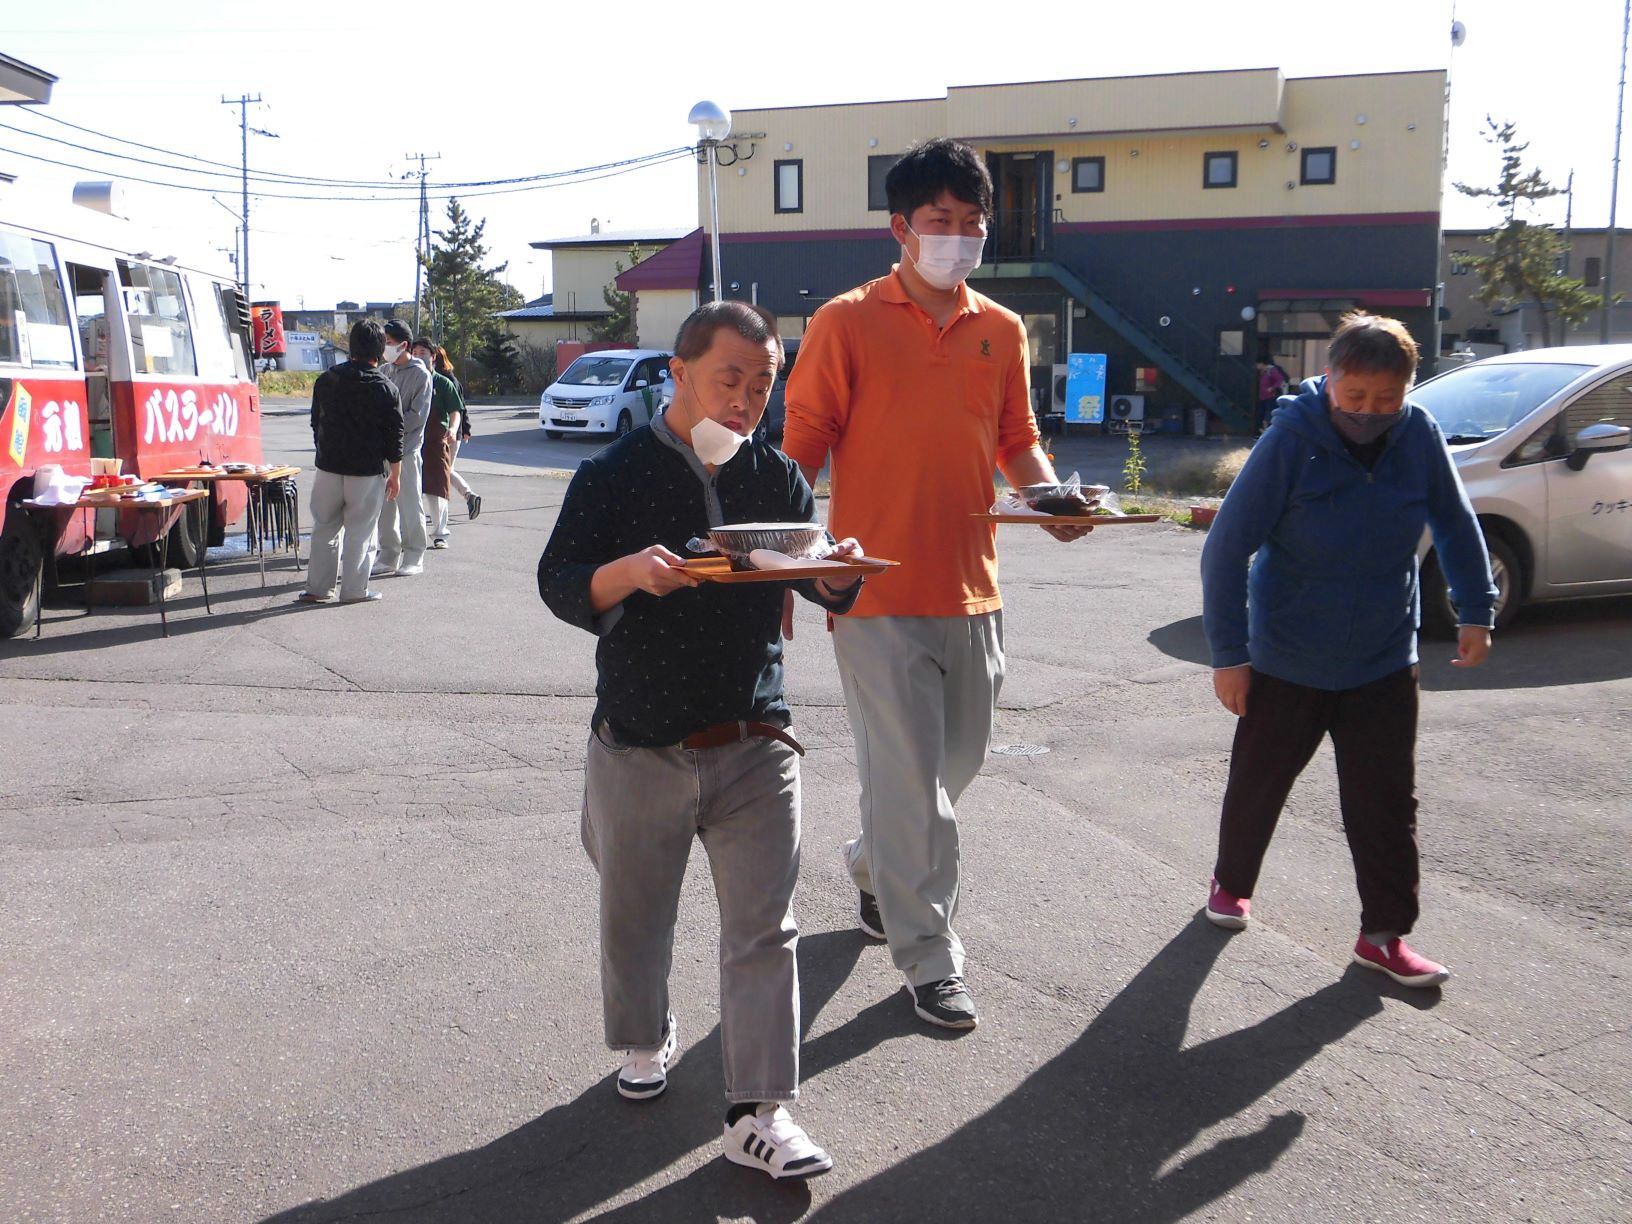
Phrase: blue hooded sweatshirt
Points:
(1332, 600)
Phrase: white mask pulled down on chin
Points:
(714, 443)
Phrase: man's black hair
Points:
(398, 330)
(749, 320)
(934, 167)
(367, 340)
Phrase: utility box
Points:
(1198, 422)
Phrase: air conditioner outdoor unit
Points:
(1057, 403)
(1127, 412)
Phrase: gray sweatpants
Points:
(345, 510)
(921, 691)
(642, 808)
(402, 521)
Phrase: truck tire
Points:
(21, 562)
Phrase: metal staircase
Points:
(1225, 386)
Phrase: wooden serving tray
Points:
(718, 569)
(1071, 520)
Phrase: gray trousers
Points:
(921, 691)
(345, 510)
(642, 808)
(402, 521)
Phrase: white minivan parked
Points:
(611, 391)
(1541, 441)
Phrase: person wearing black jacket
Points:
(357, 428)
(690, 735)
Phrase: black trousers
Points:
(1374, 733)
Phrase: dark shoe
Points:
(947, 1003)
(473, 504)
(868, 918)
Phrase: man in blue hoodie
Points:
(1311, 605)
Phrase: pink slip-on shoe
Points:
(1225, 909)
(1400, 963)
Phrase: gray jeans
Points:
(345, 510)
(920, 691)
(642, 808)
(402, 521)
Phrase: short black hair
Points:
(367, 340)
(398, 330)
(933, 167)
(749, 320)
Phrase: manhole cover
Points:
(1020, 750)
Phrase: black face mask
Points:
(1365, 427)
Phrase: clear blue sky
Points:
(502, 90)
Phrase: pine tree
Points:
(1525, 256)
(464, 294)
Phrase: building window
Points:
(878, 168)
(1218, 170)
(1459, 263)
(1319, 167)
(1592, 271)
(790, 186)
(1087, 174)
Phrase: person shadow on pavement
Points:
(1090, 1135)
(579, 1155)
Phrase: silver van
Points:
(1541, 439)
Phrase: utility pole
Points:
(1569, 240)
(1614, 187)
(243, 103)
(422, 239)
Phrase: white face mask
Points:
(945, 260)
(392, 352)
(714, 443)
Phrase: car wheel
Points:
(20, 569)
(554, 435)
(1439, 613)
(626, 423)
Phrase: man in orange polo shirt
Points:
(918, 387)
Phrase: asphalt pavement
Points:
(297, 927)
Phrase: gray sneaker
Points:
(946, 1003)
(473, 503)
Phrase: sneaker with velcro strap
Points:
(645, 1073)
(768, 1139)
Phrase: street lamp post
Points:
(713, 126)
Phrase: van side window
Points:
(35, 327)
(1610, 403)
(161, 340)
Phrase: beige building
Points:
(1471, 325)
(582, 268)
(1179, 224)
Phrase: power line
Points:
(275, 177)
(563, 178)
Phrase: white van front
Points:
(612, 391)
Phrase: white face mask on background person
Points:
(945, 260)
(714, 443)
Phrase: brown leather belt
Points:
(736, 733)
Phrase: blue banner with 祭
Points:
(1085, 388)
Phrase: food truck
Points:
(113, 349)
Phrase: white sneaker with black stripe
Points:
(645, 1073)
(770, 1140)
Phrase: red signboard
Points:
(268, 317)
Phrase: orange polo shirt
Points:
(916, 418)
